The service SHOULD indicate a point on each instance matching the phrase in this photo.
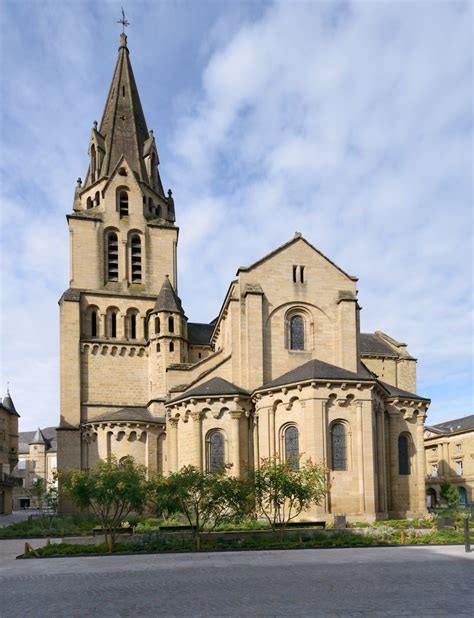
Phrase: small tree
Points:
(39, 492)
(161, 498)
(450, 494)
(283, 492)
(112, 491)
(207, 499)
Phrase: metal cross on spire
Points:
(123, 21)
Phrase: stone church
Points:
(282, 370)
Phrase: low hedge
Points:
(340, 539)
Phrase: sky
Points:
(350, 122)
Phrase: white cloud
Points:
(350, 122)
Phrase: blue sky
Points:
(348, 121)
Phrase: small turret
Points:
(9, 405)
(38, 438)
(167, 337)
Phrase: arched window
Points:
(94, 324)
(112, 257)
(296, 332)
(97, 198)
(403, 455)
(157, 325)
(123, 204)
(462, 496)
(171, 324)
(338, 447)
(136, 260)
(215, 455)
(158, 347)
(133, 326)
(113, 325)
(291, 440)
(89, 203)
(171, 346)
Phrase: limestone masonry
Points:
(283, 369)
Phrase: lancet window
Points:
(291, 443)
(215, 447)
(123, 204)
(403, 455)
(112, 257)
(296, 332)
(136, 259)
(338, 447)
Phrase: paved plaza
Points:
(411, 581)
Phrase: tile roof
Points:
(140, 415)
(455, 425)
(8, 404)
(213, 387)
(167, 299)
(25, 438)
(200, 334)
(38, 438)
(316, 370)
(398, 392)
(372, 345)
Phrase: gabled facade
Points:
(283, 370)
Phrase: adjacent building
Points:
(449, 449)
(283, 370)
(37, 458)
(8, 452)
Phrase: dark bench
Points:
(97, 531)
(303, 524)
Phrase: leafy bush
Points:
(50, 527)
(207, 499)
(112, 490)
(282, 492)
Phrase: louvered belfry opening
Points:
(112, 257)
(123, 204)
(136, 259)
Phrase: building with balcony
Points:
(8, 452)
(449, 450)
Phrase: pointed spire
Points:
(8, 403)
(123, 126)
(38, 438)
(167, 299)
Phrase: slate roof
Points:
(213, 387)
(25, 438)
(455, 425)
(140, 415)
(167, 299)
(38, 438)
(7, 403)
(398, 392)
(200, 334)
(372, 345)
(316, 370)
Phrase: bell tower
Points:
(123, 244)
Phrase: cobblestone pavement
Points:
(388, 582)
